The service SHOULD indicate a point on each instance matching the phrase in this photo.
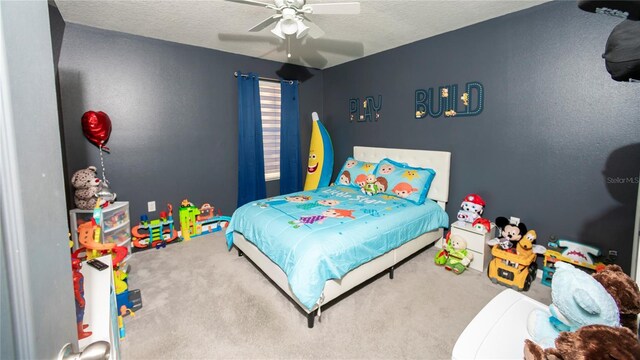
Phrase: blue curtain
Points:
(251, 183)
(290, 165)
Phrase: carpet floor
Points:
(201, 301)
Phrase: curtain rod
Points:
(262, 78)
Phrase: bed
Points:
(256, 227)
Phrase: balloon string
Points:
(104, 176)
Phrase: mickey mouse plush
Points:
(511, 231)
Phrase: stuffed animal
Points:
(511, 231)
(471, 208)
(459, 257)
(624, 291)
(482, 224)
(578, 300)
(87, 185)
(371, 186)
(588, 342)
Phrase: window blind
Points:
(270, 109)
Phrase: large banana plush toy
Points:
(320, 164)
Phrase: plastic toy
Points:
(482, 224)
(578, 300)
(515, 269)
(196, 221)
(573, 253)
(89, 238)
(471, 208)
(78, 292)
(155, 233)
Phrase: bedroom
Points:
(553, 119)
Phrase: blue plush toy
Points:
(578, 300)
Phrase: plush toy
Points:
(87, 185)
(371, 186)
(624, 291)
(459, 257)
(471, 208)
(578, 300)
(442, 255)
(482, 224)
(588, 342)
(511, 231)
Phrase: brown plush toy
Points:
(588, 342)
(624, 291)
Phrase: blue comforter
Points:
(318, 235)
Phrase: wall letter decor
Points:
(448, 102)
(366, 111)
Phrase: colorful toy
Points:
(471, 208)
(320, 164)
(371, 186)
(511, 231)
(196, 221)
(155, 233)
(574, 253)
(78, 292)
(515, 268)
(454, 256)
(482, 224)
(578, 300)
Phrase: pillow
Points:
(354, 172)
(404, 181)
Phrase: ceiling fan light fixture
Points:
(302, 29)
(277, 31)
(288, 26)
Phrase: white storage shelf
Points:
(100, 311)
(116, 227)
(476, 243)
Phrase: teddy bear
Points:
(458, 257)
(577, 300)
(588, 342)
(87, 185)
(471, 208)
(624, 291)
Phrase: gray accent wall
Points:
(557, 143)
(173, 109)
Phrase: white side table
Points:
(476, 243)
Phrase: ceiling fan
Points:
(292, 14)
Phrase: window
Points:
(270, 109)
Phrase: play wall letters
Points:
(367, 110)
(449, 102)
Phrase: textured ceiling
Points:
(223, 25)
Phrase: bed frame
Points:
(438, 160)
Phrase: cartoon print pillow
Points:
(354, 173)
(404, 181)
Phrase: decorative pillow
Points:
(404, 181)
(354, 172)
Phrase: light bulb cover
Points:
(302, 29)
(277, 31)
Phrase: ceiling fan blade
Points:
(249, 38)
(252, 2)
(334, 46)
(314, 30)
(266, 22)
(350, 8)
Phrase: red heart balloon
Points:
(96, 126)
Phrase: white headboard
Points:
(440, 161)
